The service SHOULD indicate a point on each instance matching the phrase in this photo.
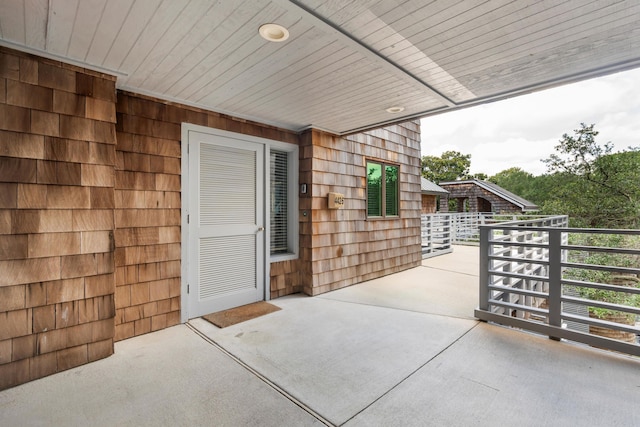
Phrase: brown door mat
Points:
(225, 318)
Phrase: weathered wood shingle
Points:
(56, 251)
(346, 247)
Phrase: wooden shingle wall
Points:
(148, 203)
(57, 155)
(293, 276)
(346, 246)
(429, 203)
(147, 218)
(90, 213)
(473, 192)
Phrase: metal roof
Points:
(429, 187)
(345, 62)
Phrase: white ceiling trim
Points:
(454, 85)
(66, 60)
(367, 52)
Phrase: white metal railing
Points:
(466, 225)
(571, 283)
(436, 234)
(441, 230)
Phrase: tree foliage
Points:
(480, 175)
(577, 154)
(515, 180)
(451, 165)
(586, 180)
(536, 189)
(596, 187)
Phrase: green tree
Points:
(596, 187)
(536, 189)
(515, 180)
(451, 165)
(541, 188)
(480, 175)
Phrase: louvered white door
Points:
(226, 223)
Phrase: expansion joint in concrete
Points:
(264, 379)
(411, 374)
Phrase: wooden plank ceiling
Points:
(345, 61)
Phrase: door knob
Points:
(260, 228)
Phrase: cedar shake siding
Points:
(147, 211)
(479, 200)
(90, 213)
(483, 196)
(57, 156)
(346, 247)
(429, 204)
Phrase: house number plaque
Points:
(335, 200)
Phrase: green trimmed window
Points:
(382, 190)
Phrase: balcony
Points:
(539, 275)
(401, 350)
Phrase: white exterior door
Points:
(226, 214)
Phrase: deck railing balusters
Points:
(530, 260)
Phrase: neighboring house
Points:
(483, 196)
(162, 160)
(430, 193)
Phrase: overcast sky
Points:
(523, 130)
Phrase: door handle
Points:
(260, 229)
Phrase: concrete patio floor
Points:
(402, 350)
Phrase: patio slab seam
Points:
(435, 356)
(261, 377)
(400, 309)
(448, 270)
(264, 377)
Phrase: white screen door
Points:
(226, 224)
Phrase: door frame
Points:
(185, 254)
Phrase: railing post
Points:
(519, 283)
(485, 248)
(508, 281)
(454, 229)
(555, 278)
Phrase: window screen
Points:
(279, 202)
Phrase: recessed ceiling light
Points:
(274, 32)
(394, 110)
